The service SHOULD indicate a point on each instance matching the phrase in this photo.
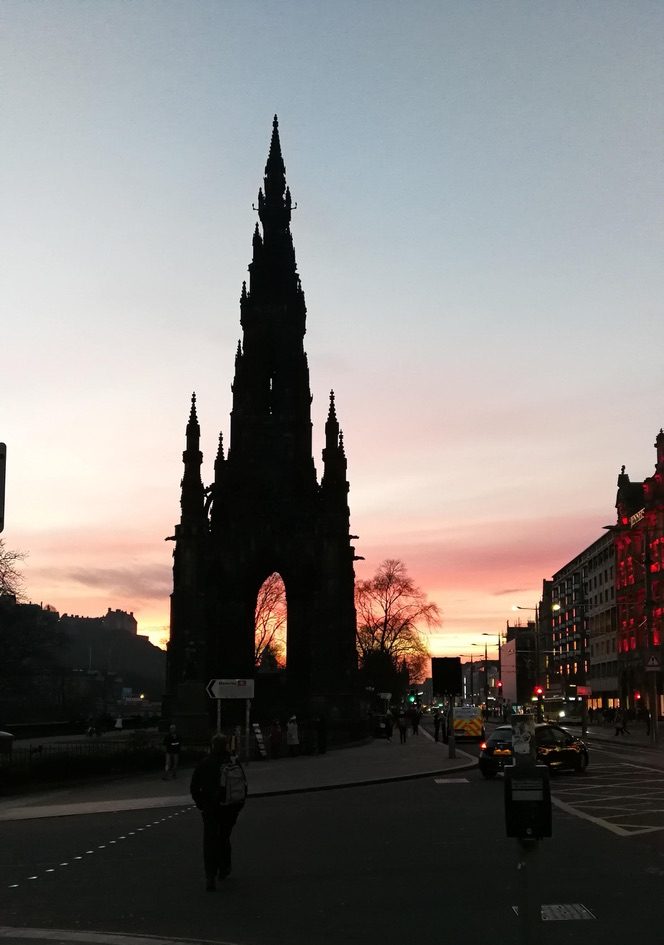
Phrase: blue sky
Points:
(479, 235)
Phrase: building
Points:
(583, 626)
(265, 510)
(519, 657)
(639, 550)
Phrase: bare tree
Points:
(270, 621)
(391, 612)
(11, 579)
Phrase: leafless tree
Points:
(11, 579)
(393, 615)
(270, 621)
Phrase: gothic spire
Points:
(334, 456)
(192, 486)
(273, 270)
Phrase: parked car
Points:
(554, 747)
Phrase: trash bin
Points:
(6, 743)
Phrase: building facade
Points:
(639, 549)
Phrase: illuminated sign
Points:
(636, 518)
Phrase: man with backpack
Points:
(219, 790)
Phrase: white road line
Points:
(575, 812)
(98, 938)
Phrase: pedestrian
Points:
(172, 752)
(275, 738)
(292, 736)
(389, 725)
(619, 722)
(321, 734)
(436, 724)
(219, 790)
(402, 724)
(415, 720)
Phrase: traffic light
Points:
(539, 692)
(411, 697)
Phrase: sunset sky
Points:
(479, 235)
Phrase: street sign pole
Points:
(247, 715)
(218, 716)
(3, 466)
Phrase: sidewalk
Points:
(371, 763)
(637, 734)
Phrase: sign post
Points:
(653, 666)
(233, 689)
(3, 467)
(528, 818)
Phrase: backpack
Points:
(233, 784)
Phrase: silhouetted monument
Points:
(266, 512)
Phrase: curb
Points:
(365, 782)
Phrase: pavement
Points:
(370, 763)
(638, 735)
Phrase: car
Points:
(554, 747)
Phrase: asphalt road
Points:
(424, 860)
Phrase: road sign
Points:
(653, 664)
(3, 465)
(230, 689)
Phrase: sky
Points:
(479, 236)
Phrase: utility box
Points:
(527, 802)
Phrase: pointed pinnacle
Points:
(332, 412)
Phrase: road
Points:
(424, 860)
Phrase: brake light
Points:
(482, 746)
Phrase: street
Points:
(425, 859)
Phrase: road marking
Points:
(451, 780)
(98, 938)
(564, 911)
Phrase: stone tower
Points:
(265, 510)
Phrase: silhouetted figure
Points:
(402, 723)
(436, 725)
(292, 737)
(276, 737)
(219, 790)
(172, 752)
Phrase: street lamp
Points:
(500, 669)
(486, 682)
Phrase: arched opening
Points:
(270, 625)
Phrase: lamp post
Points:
(500, 670)
(486, 682)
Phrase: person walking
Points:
(389, 725)
(402, 723)
(172, 752)
(619, 722)
(219, 790)
(275, 739)
(292, 737)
